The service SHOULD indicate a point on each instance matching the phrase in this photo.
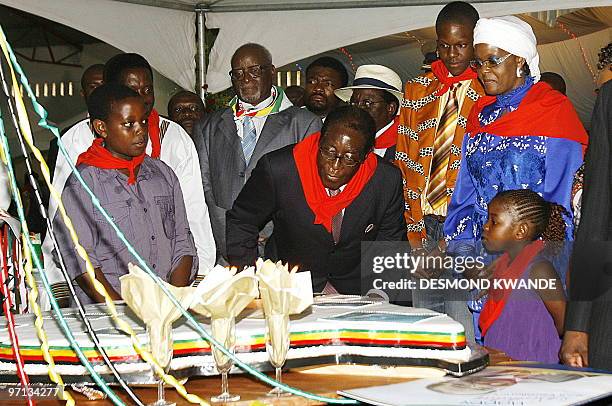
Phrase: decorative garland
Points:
(10, 319)
(122, 325)
(582, 50)
(44, 213)
(349, 56)
(414, 37)
(27, 247)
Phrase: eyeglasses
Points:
(345, 159)
(492, 62)
(254, 71)
(366, 104)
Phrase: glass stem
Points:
(224, 383)
(278, 375)
(160, 390)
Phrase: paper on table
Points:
(503, 386)
(154, 308)
(283, 293)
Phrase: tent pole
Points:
(201, 59)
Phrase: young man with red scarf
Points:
(142, 195)
(167, 142)
(324, 195)
(431, 128)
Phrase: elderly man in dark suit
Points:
(260, 119)
(325, 196)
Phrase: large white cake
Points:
(335, 329)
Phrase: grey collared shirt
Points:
(150, 213)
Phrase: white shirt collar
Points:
(247, 106)
(341, 188)
(385, 128)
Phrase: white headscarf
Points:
(512, 35)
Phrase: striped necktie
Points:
(249, 138)
(336, 224)
(436, 194)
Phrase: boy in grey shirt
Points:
(140, 193)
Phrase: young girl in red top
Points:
(523, 315)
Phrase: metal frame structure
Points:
(218, 6)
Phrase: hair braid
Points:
(527, 205)
(555, 231)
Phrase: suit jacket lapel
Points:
(271, 129)
(358, 208)
(390, 154)
(228, 127)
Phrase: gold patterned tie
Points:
(436, 194)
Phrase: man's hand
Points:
(575, 349)
(423, 272)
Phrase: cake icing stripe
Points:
(123, 354)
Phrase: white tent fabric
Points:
(294, 35)
(165, 37)
(403, 55)
(580, 81)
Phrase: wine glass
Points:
(277, 345)
(163, 360)
(224, 331)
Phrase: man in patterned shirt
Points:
(431, 128)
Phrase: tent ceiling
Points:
(580, 22)
(182, 5)
(227, 6)
(292, 36)
(165, 37)
(164, 30)
(25, 30)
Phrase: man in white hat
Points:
(378, 90)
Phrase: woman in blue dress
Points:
(524, 135)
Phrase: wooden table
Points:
(250, 388)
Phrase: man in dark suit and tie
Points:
(325, 196)
(260, 119)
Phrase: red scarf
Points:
(100, 157)
(511, 271)
(389, 137)
(542, 112)
(441, 72)
(322, 205)
(154, 134)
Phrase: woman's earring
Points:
(519, 72)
